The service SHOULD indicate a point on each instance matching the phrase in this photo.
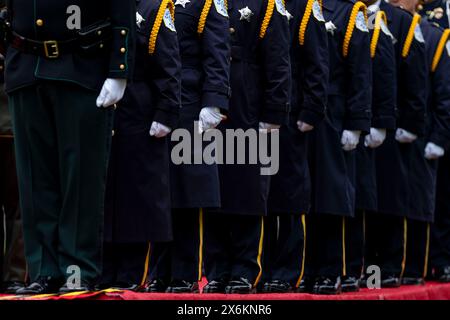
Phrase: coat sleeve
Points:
(440, 95)
(274, 48)
(314, 83)
(413, 78)
(123, 19)
(216, 59)
(359, 70)
(384, 88)
(166, 67)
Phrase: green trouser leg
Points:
(62, 147)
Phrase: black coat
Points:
(349, 101)
(384, 99)
(423, 171)
(260, 74)
(393, 159)
(437, 11)
(89, 71)
(205, 56)
(290, 189)
(138, 207)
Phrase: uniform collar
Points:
(375, 7)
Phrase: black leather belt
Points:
(50, 49)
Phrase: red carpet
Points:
(431, 291)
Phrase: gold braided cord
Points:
(410, 37)
(440, 49)
(379, 18)
(267, 18)
(305, 20)
(158, 21)
(358, 7)
(204, 16)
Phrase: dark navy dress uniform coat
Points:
(205, 56)
(437, 11)
(423, 172)
(384, 100)
(349, 100)
(393, 158)
(138, 205)
(290, 189)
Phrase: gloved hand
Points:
(375, 138)
(304, 127)
(267, 127)
(403, 136)
(433, 151)
(350, 139)
(159, 130)
(209, 118)
(112, 92)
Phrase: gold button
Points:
(101, 45)
(232, 30)
(99, 32)
(419, 7)
(123, 32)
(123, 50)
(122, 67)
(39, 22)
(113, 133)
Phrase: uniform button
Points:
(232, 30)
(113, 133)
(122, 67)
(123, 50)
(99, 32)
(123, 32)
(39, 22)
(419, 7)
(101, 45)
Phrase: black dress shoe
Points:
(156, 286)
(391, 281)
(442, 274)
(84, 286)
(215, 286)
(350, 284)
(11, 287)
(42, 285)
(182, 286)
(277, 286)
(325, 285)
(413, 281)
(239, 286)
(306, 285)
(127, 286)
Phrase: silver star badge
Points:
(182, 2)
(139, 19)
(330, 27)
(246, 14)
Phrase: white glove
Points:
(159, 130)
(267, 127)
(209, 118)
(433, 151)
(350, 140)
(304, 127)
(112, 92)
(403, 136)
(375, 138)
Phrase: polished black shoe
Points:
(156, 286)
(215, 286)
(306, 285)
(127, 286)
(325, 285)
(69, 288)
(277, 286)
(412, 281)
(391, 281)
(182, 286)
(442, 274)
(42, 285)
(350, 284)
(239, 286)
(11, 287)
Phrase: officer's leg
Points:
(160, 267)
(84, 139)
(371, 244)
(133, 265)
(217, 253)
(109, 266)
(270, 247)
(247, 239)
(187, 250)
(39, 182)
(417, 252)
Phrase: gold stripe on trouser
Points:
(260, 250)
(146, 264)
(405, 243)
(200, 246)
(302, 272)
(344, 264)
(427, 252)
